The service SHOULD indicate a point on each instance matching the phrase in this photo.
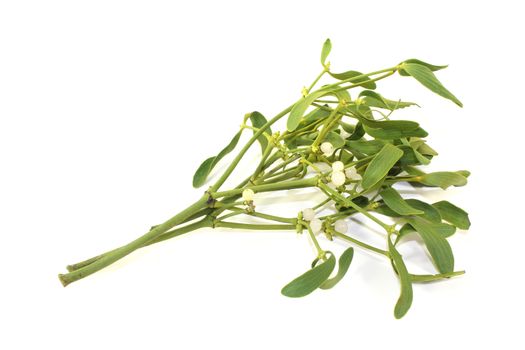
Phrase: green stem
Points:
(121, 252)
(320, 251)
(244, 226)
(365, 82)
(357, 77)
(287, 185)
(361, 244)
(317, 79)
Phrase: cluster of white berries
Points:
(315, 224)
(338, 176)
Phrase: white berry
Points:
(341, 226)
(351, 173)
(338, 178)
(316, 225)
(308, 214)
(327, 148)
(338, 166)
(247, 195)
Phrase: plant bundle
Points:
(350, 149)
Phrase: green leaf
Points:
(373, 99)
(365, 146)
(335, 139)
(359, 78)
(405, 297)
(394, 201)
(300, 107)
(310, 280)
(429, 212)
(453, 214)
(432, 67)
(425, 149)
(380, 165)
(443, 179)
(425, 76)
(327, 47)
(358, 133)
(437, 245)
(344, 263)
(442, 229)
(394, 134)
(258, 121)
(204, 170)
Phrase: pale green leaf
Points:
(382, 162)
(344, 263)
(394, 201)
(258, 121)
(443, 179)
(453, 214)
(437, 245)
(425, 76)
(405, 297)
(327, 47)
(310, 280)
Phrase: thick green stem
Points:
(121, 252)
(253, 226)
(206, 222)
(287, 185)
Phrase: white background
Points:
(107, 108)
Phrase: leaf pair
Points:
(423, 72)
(318, 276)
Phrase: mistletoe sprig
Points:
(367, 154)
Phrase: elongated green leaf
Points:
(359, 78)
(394, 201)
(380, 165)
(401, 125)
(394, 134)
(327, 47)
(258, 121)
(425, 149)
(429, 212)
(442, 229)
(344, 263)
(300, 107)
(443, 179)
(200, 176)
(425, 76)
(365, 146)
(310, 280)
(385, 210)
(405, 297)
(432, 67)
(373, 99)
(335, 139)
(437, 245)
(453, 214)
